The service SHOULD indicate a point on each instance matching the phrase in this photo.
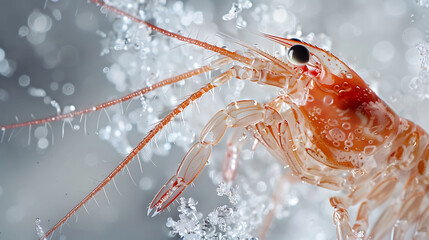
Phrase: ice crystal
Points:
(242, 218)
(421, 83)
(222, 223)
(39, 230)
(423, 3)
(142, 58)
(236, 9)
(255, 195)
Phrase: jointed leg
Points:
(276, 134)
(396, 218)
(222, 78)
(280, 193)
(236, 114)
(403, 212)
(210, 67)
(235, 143)
(422, 230)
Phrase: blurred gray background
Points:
(377, 38)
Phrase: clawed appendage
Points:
(168, 193)
(190, 167)
(186, 174)
(235, 115)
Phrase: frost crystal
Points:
(255, 197)
(423, 3)
(222, 223)
(421, 83)
(236, 9)
(188, 227)
(141, 58)
(39, 229)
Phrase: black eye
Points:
(298, 55)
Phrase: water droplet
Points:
(336, 87)
(43, 143)
(54, 86)
(39, 22)
(348, 143)
(328, 100)
(337, 134)
(332, 122)
(41, 132)
(23, 31)
(68, 89)
(346, 86)
(368, 150)
(69, 108)
(346, 125)
(57, 14)
(36, 92)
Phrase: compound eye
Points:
(298, 54)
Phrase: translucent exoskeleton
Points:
(326, 125)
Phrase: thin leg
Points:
(212, 66)
(281, 191)
(422, 230)
(398, 217)
(275, 133)
(235, 144)
(236, 114)
(375, 196)
(222, 78)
